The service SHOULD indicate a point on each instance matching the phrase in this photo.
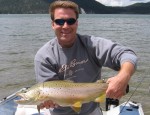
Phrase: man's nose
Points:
(65, 25)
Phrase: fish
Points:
(64, 93)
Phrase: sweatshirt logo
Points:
(72, 64)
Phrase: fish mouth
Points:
(19, 101)
(22, 97)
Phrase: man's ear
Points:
(77, 23)
(52, 24)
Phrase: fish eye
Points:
(23, 91)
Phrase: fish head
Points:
(27, 98)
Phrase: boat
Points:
(9, 107)
(126, 108)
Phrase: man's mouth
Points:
(65, 32)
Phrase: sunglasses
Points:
(61, 22)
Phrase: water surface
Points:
(21, 35)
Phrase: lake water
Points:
(21, 35)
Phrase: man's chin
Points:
(65, 35)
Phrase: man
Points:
(80, 58)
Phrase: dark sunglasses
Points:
(61, 22)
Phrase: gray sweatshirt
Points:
(80, 63)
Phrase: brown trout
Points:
(64, 93)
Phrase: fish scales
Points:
(72, 90)
(64, 93)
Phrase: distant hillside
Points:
(89, 6)
(138, 8)
(23, 6)
(93, 6)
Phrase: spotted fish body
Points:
(64, 93)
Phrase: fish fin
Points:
(76, 109)
(77, 106)
(101, 98)
(38, 108)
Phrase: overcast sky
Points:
(120, 2)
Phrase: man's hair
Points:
(63, 4)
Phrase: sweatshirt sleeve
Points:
(44, 71)
(45, 64)
(111, 54)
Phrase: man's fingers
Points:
(48, 104)
(108, 80)
(41, 106)
(115, 94)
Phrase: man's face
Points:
(66, 34)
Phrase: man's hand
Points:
(48, 104)
(118, 84)
(116, 88)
